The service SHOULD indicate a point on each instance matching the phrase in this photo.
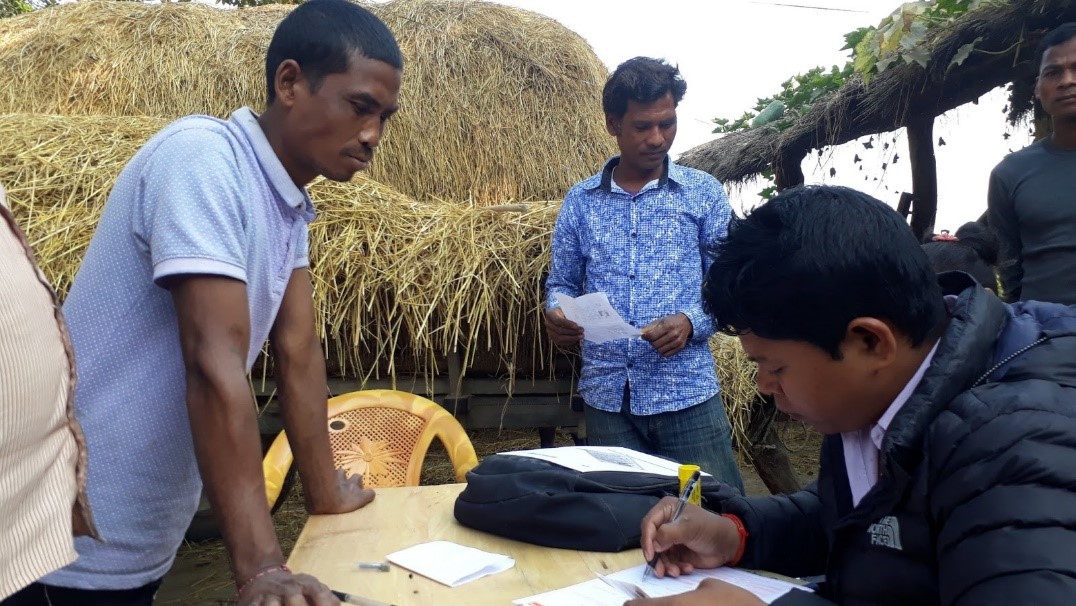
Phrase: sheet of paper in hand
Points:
(599, 320)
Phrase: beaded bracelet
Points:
(742, 531)
(262, 573)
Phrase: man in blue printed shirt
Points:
(640, 231)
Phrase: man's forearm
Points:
(225, 431)
(303, 393)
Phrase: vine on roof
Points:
(899, 39)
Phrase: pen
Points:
(348, 598)
(379, 566)
(684, 494)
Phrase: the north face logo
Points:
(886, 532)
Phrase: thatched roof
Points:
(498, 104)
(1009, 31)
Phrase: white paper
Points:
(629, 583)
(449, 563)
(599, 320)
(594, 591)
(602, 458)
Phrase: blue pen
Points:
(684, 494)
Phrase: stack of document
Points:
(602, 458)
(614, 589)
(449, 563)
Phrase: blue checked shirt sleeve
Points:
(716, 212)
(567, 265)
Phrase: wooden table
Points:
(329, 546)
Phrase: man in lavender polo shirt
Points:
(200, 256)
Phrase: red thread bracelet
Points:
(742, 531)
(262, 573)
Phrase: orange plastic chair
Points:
(382, 435)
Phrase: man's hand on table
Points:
(668, 335)
(348, 496)
(709, 593)
(284, 588)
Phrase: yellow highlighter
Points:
(685, 472)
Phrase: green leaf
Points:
(918, 55)
(963, 52)
(854, 37)
(773, 111)
(916, 35)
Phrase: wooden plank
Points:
(520, 413)
(440, 386)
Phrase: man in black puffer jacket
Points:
(948, 470)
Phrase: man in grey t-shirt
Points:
(1032, 196)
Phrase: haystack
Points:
(398, 282)
(129, 58)
(498, 104)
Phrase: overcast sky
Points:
(732, 52)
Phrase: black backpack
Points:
(542, 503)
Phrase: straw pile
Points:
(397, 282)
(132, 59)
(739, 391)
(507, 104)
(393, 277)
(498, 104)
(58, 171)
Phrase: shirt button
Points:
(629, 364)
(634, 235)
(632, 276)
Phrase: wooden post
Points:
(787, 173)
(924, 174)
(767, 452)
(904, 206)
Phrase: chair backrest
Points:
(383, 435)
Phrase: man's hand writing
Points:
(563, 331)
(349, 496)
(709, 593)
(669, 334)
(697, 539)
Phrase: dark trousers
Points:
(50, 595)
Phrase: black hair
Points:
(1057, 36)
(643, 80)
(802, 266)
(322, 35)
(974, 251)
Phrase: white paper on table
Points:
(602, 458)
(599, 320)
(629, 583)
(594, 592)
(449, 563)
